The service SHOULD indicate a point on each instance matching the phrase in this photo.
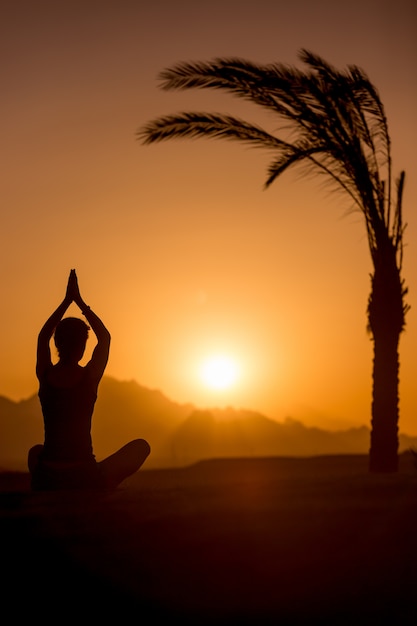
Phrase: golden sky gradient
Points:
(177, 247)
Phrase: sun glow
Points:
(219, 372)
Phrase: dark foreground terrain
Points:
(242, 541)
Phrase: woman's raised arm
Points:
(100, 355)
(43, 354)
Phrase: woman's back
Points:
(67, 412)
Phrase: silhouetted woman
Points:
(67, 392)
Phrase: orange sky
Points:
(177, 246)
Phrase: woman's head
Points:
(70, 338)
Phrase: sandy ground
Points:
(236, 541)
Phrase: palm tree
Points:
(339, 128)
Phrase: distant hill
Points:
(178, 434)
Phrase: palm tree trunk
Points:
(383, 456)
(386, 321)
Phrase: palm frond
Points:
(226, 73)
(398, 226)
(284, 161)
(356, 94)
(265, 85)
(213, 125)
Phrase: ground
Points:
(227, 541)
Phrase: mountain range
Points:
(179, 434)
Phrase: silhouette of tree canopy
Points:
(338, 127)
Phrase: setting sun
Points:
(219, 372)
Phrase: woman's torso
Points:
(67, 406)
